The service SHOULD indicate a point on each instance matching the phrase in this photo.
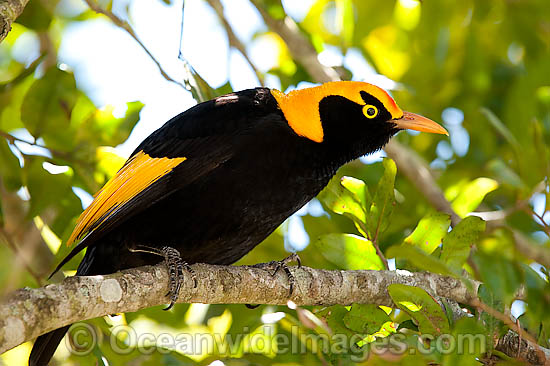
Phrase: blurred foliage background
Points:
(78, 93)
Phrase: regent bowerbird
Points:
(217, 179)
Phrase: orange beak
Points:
(412, 121)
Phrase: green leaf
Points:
(501, 128)
(470, 339)
(365, 318)
(429, 232)
(35, 16)
(421, 307)
(494, 327)
(502, 276)
(46, 108)
(1, 214)
(456, 244)
(347, 20)
(114, 131)
(419, 259)
(383, 201)
(343, 201)
(10, 170)
(358, 188)
(349, 251)
(472, 195)
(505, 174)
(334, 316)
(45, 189)
(537, 295)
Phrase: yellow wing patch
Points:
(136, 175)
(301, 107)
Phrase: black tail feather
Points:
(45, 346)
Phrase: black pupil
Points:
(371, 111)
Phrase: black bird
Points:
(217, 179)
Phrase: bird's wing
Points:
(186, 148)
(140, 174)
(141, 182)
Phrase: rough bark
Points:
(9, 11)
(27, 313)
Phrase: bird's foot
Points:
(283, 264)
(175, 266)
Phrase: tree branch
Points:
(9, 11)
(27, 313)
(124, 25)
(234, 41)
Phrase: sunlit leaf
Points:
(108, 161)
(421, 307)
(386, 46)
(358, 188)
(383, 201)
(429, 232)
(343, 201)
(472, 194)
(349, 251)
(419, 259)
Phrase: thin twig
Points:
(374, 242)
(545, 226)
(124, 25)
(234, 41)
(509, 323)
(60, 154)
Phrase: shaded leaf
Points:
(35, 16)
(494, 327)
(46, 108)
(45, 189)
(470, 341)
(501, 276)
(456, 244)
(421, 307)
(334, 316)
(10, 170)
(365, 318)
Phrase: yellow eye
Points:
(370, 111)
